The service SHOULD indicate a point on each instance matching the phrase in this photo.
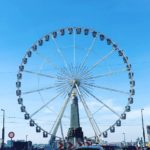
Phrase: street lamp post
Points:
(3, 129)
(124, 138)
(143, 127)
(26, 138)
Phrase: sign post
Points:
(11, 136)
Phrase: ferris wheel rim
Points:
(95, 34)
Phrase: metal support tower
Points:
(75, 133)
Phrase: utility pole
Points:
(124, 138)
(143, 127)
(3, 130)
(26, 138)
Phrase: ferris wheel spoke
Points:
(40, 74)
(98, 110)
(61, 83)
(47, 105)
(60, 115)
(61, 129)
(89, 114)
(38, 90)
(58, 49)
(42, 107)
(101, 102)
(108, 74)
(89, 51)
(108, 89)
(48, 61)
(94, 112)
(63, 76)
(61, 90)
(102, 59)
(62, 87)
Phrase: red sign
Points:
(80, 143)
(60, 145)
(88, 143)
(11, 134)
(70, 146)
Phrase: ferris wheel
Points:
(75, 64)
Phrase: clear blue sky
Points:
(22, 22)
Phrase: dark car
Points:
(92, 147)
(130, 148)
(111, 147)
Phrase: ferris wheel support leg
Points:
(89, 114)
(59, 117)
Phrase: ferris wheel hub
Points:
(72, 76)
(75, 82)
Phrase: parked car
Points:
(92, 147)
(111, 147)
(130, 148)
